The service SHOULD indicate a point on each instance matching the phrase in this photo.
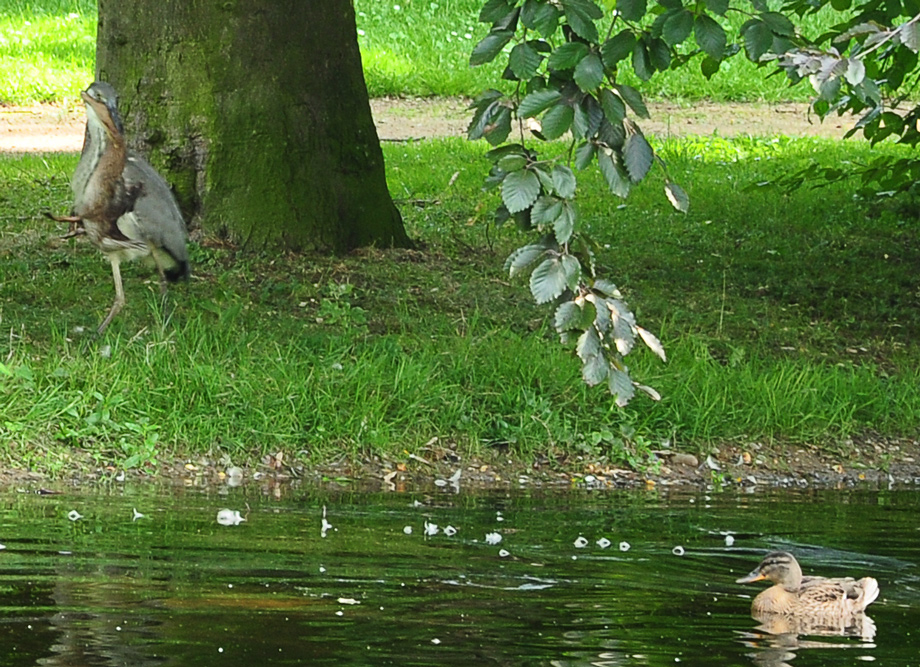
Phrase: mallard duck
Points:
(795, 595)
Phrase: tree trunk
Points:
(257, 113)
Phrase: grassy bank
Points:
(411, 47)
(790, 318)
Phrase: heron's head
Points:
(101, 102)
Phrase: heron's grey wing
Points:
(156, 214)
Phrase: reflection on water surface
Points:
(526, 578)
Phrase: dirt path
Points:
(46, 128)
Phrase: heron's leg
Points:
(119, 294)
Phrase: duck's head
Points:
(780, 567)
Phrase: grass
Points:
(409, 47)
(786, 318)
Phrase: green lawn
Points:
(785, 318)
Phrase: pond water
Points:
(422, 579)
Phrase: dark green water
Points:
(177, 588)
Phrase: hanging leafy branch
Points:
(566, 85)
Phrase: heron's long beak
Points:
(106, 113)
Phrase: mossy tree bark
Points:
(257, 112)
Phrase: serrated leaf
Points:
(677, 27)
(546, 19)
(606, 288)
(709, 67)
(856, 72)
(546, 210)
(613, 106)
(524, 258)
(584, 154)
(624, 326)
(494, 10)
(758, 38)
(779, 24)
(909, 36)
(633, 98)
(548, 280)
(589, 345)
(557, 121)
(717, 6)
(642, 64)
(537, 102)
(564, 224)
(651, 340)
(520, 190)
(589, 73)
(489, 47)
(564, 181)
(676, 195)
(512, 162)
(620, 386)
(602, 319)
(572, 268)
(524, 61)
(499, 126)
(594, 370)
(568, 317)
(637, 156)
(567, 55)
(580, 15)
(617, 179)
(588, 117)
(618, 48)
(710, 36)
(631, 10)
(659, 54)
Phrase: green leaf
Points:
(557, 121)
(546, 210)
(758, 38)
(523, 259)
(594, 370)
(580, 15)
(564, 181)
(584, 154)
(631, 10)
(709, 67)
(489, 47)
(678, 27)
(568, 55)
(520, 190)
(564, 225)
(710, 36)
(589, 73)
(617, 179)
(659, 54)
(548, 280)
(499, 127)
(618, 47)
(546, 19)
(613, 106)
(633, 98)
(779, 24)
(572, 268)
(589, 345)
(676, 195)
(637, 155)
(621, 387)
(569, 317)
(513, 162)
(642, 64)
(717, 6)
(537, 102)
(494, 10)
(524, 61)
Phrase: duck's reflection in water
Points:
(777, 639)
